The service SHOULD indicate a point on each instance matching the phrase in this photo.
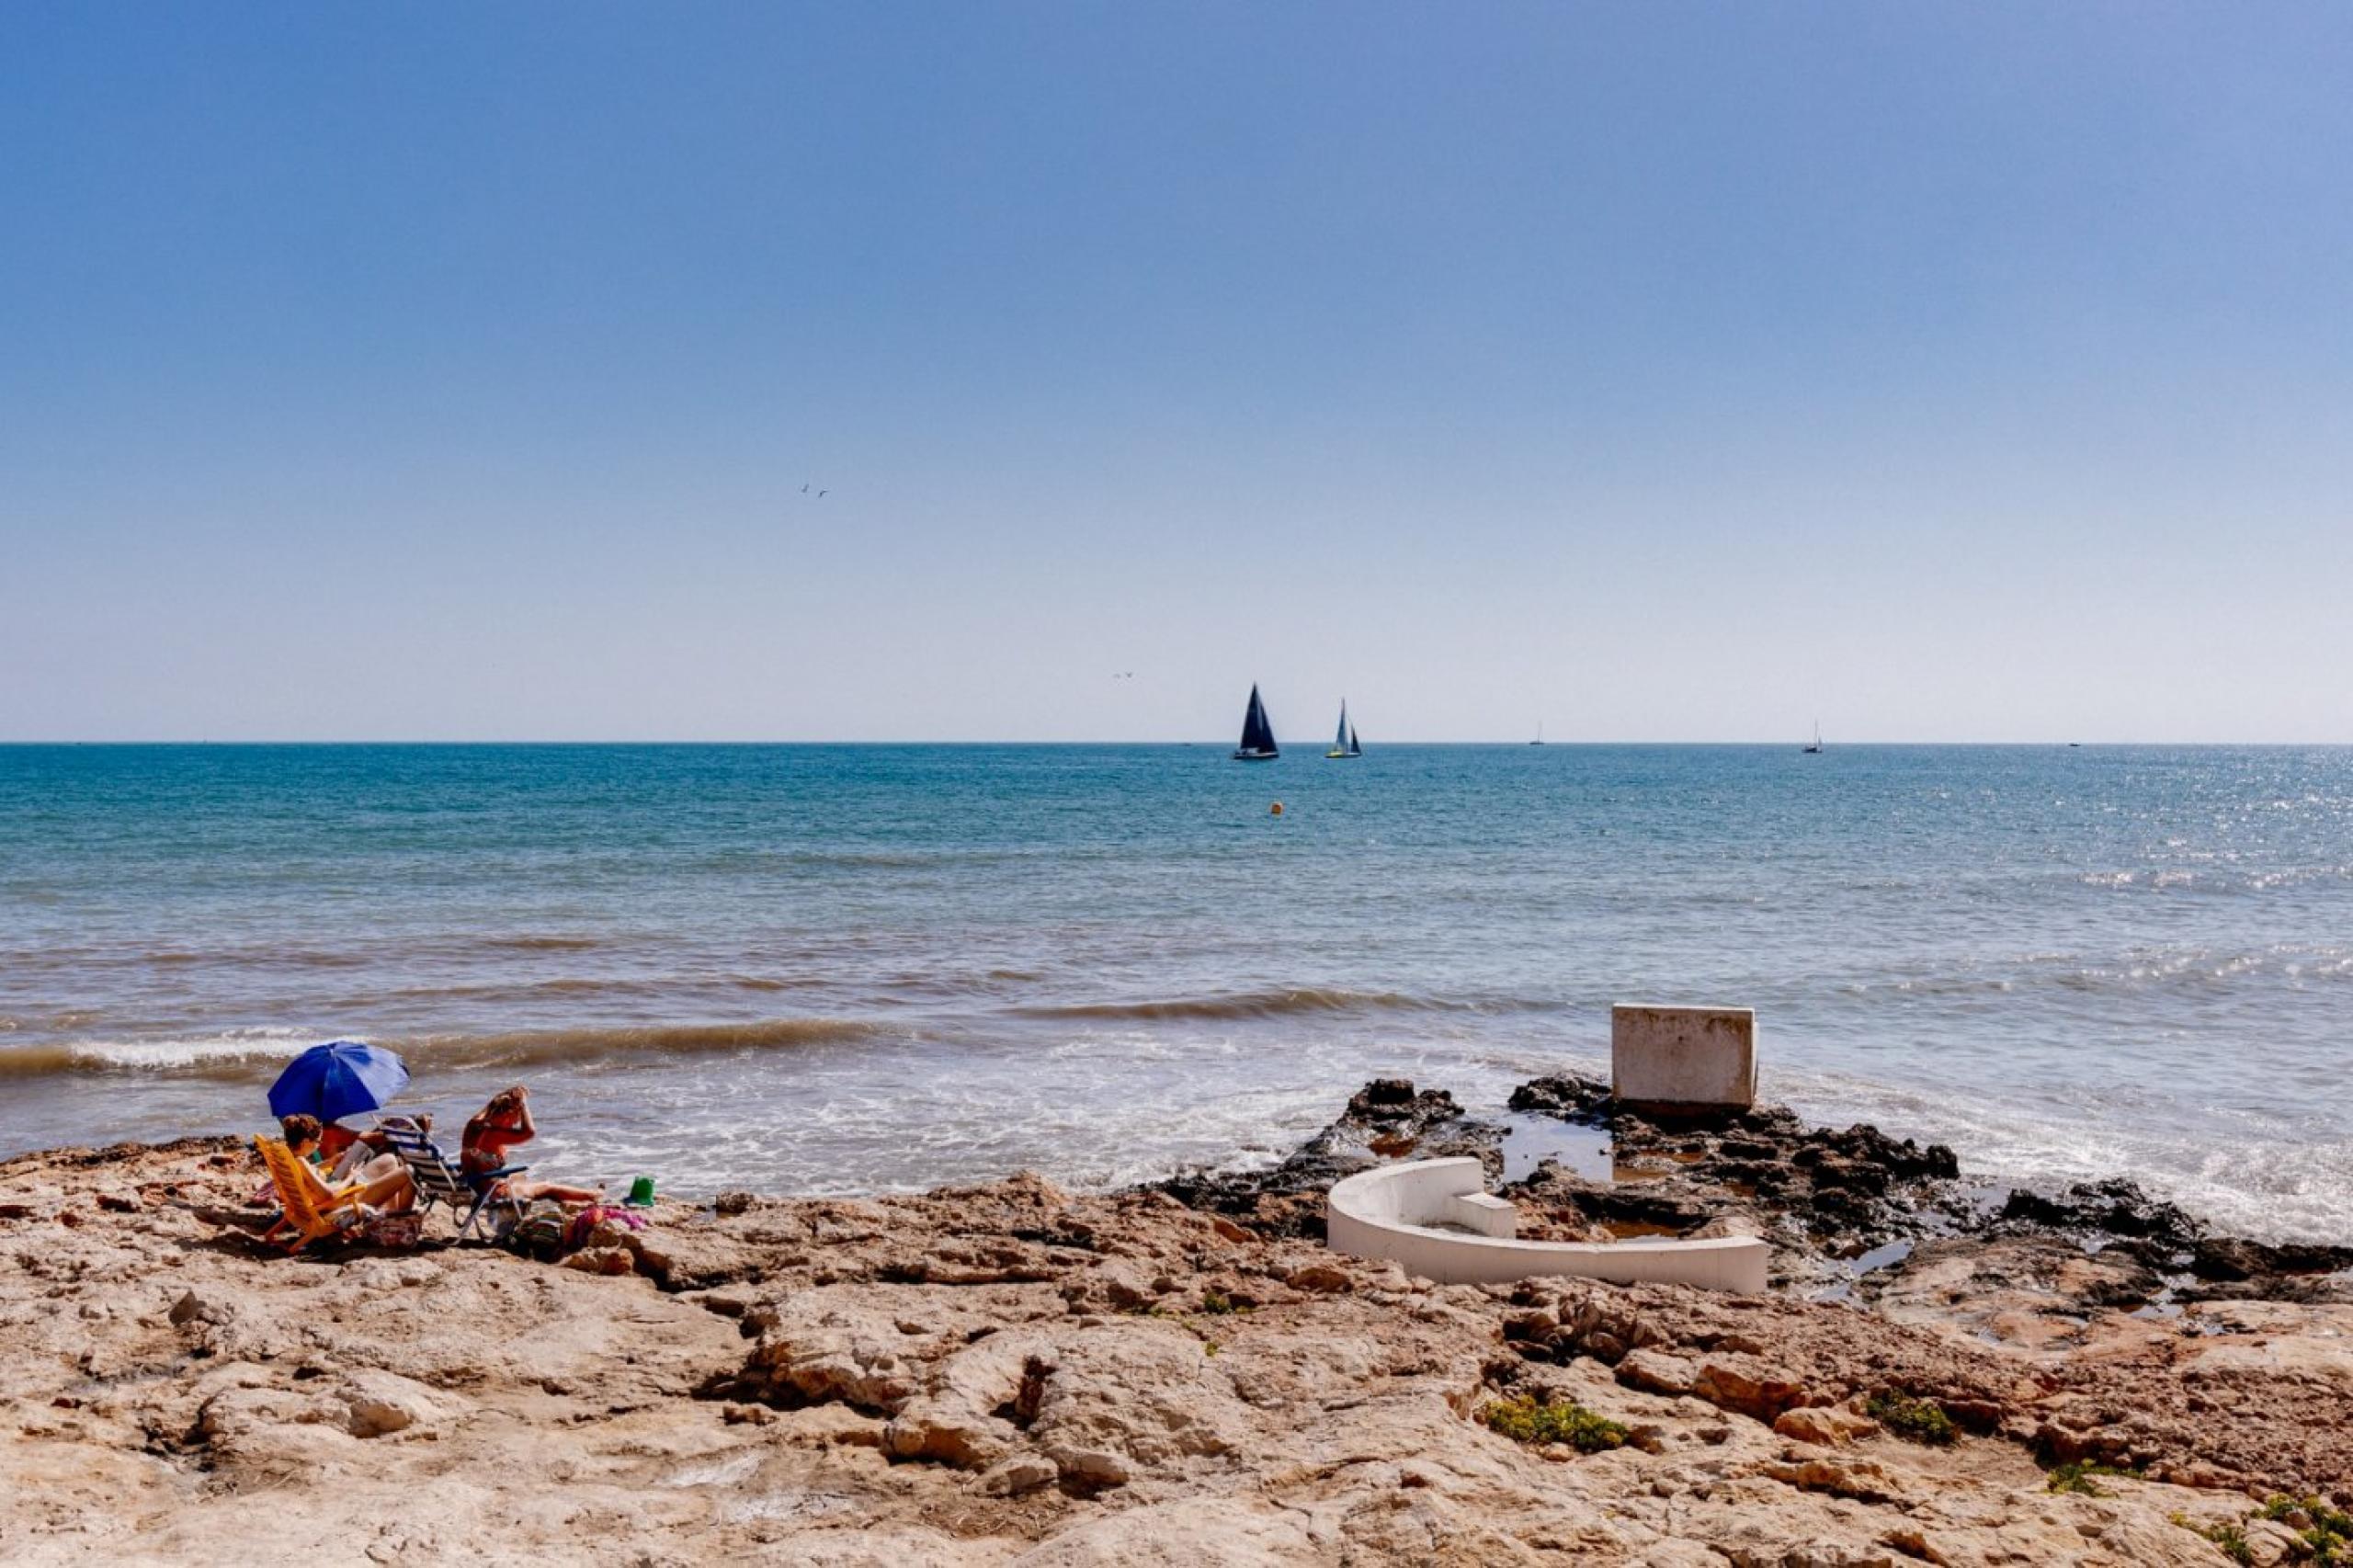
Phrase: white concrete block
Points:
(1682, 1056)
(1394, 1212)
(1485, 1214)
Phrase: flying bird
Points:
(822, 493)
(804, 490)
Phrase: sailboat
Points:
(1540, 734)
(1344, 741)
(1815, 748)
(1257, 734)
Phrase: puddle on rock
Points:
(1633, 1230)
(1530, 1140)
(1880, 1257)
(1886, 1256)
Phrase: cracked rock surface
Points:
(1013, 1374)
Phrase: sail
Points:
(1257, 734)
(1340, 740)
(1354, 748)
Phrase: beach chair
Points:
(313, 1209)
(438, 1181)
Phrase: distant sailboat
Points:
(1816, 747)
(1540, 734)
(1343, 740)
(1257, 734)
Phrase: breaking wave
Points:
(254, 1053)
(1277, 1003)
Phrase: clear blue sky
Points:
(1966, 371)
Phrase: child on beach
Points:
(499, 1127)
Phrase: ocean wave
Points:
(1275, 1004)
(255, 1053)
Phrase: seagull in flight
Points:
(804, 490)
(822, 493)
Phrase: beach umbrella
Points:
(334, 1080)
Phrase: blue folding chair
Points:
(437, 1181)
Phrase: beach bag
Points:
(613, 1222)
(540, 1232)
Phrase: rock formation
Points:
(1012, 1374)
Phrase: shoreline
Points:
(1008, 1373)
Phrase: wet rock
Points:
(2232, 1258)
(2117, 1207)
(1566, 1096)
(1387, 1119)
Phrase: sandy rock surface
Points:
(1009, 1374)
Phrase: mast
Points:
(1340, 740)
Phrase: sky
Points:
(1653, 372)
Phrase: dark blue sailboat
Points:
(1257, 734)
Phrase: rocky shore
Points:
(1945, 1372)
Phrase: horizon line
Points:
(1304, 746)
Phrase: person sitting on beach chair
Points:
(494, 1129)
(382, 1184)
(311, 1209)
(437, 1181)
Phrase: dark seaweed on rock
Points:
(1386, 1120)
(1823, 1197)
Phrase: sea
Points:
(860, 968)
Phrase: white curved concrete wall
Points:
(1394, 1212)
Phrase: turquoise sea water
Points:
(857, 968)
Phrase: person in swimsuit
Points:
(499, 1127)
(381, 1190)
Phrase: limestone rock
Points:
(380, 1403)
(1731, 1381)
(1328, 1278)
(1825, 1425)
(942, 1378)
(1022, 1472)
(1657, 1372)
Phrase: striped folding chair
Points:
(438, 1181)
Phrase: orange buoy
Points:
(1278, 810)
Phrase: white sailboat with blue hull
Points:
(1344, 742)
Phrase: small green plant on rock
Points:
(1218, 1304)
(2076, 1475)
(2327, 1530)
(2231, 1539)
(1524, 1420)
(1917, 1420)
